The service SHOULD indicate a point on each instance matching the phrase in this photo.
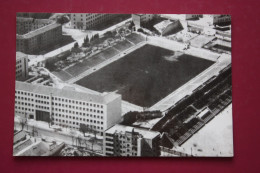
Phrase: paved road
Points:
(50, 134)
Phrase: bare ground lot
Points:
(144, 76)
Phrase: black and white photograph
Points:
(123, 85)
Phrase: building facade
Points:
(67, 107)
(89, 20)
(122, 140)
(21, 66)
(39, 39)
(221, 19)
(193, 16)
(141, 19)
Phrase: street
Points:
(63, 136)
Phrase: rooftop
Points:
(38, 31)
(20, 55)
(122, 129)
(66, 92)
(162, 25)
(29, 19)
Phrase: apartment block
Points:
(39, 39)
(122, 140)
(21, 66)
(89, 20)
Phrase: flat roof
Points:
(28, 19)
(66, 92)
(38, 31)
(20, 55)
(122, 129)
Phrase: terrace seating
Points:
(216, 95)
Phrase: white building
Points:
(67, 107)
(122, 140)
(21, 65)
(88, 20)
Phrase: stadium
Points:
(149, 72)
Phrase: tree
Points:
(96, 36)
(108, 34)
(87, 39)
(76, 48)
(140, 30)
(62, 19)
(131, 25)
(34, 131)
(23, 122)
(94, 139)
(76, 45)
(73, 136)
(86, 42)
(91, 39)
(83, 128)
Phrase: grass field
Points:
(145, 76)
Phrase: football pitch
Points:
(146, 75)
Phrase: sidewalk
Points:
(65, 135)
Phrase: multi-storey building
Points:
(21, 66)
(89, 20)
(39, 39)
(193, 16)
(221, 19)
(122, 140)
(25, 25)
(141, 19)
(67, 106)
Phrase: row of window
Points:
(77, 102)
(24, 103)
(78, 113)
(57, 121)
(57, 99)
(68, 116)
(76, 107)
(24, 98)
